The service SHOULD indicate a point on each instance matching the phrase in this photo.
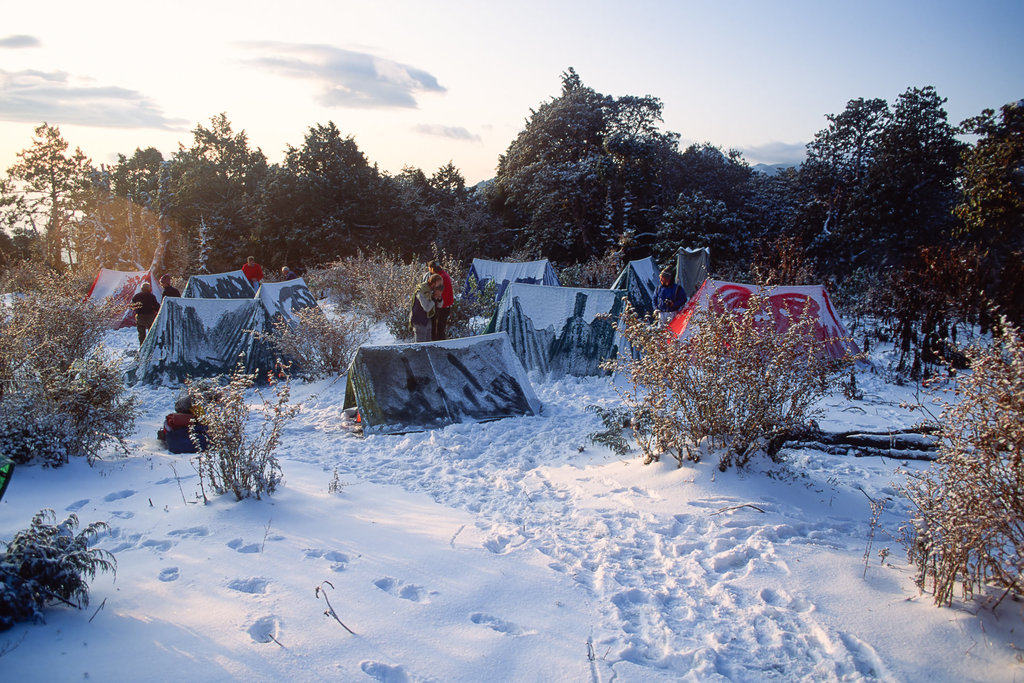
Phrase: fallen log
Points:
(920, 443)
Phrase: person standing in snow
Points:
(165, 283)
(439, 323)
(669, 297)
(422, 308)
(253, 272)
(146, 307)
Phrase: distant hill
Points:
(772, 169)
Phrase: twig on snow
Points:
(329, 612)
(737, 507)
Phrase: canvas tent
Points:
(285, 299)
(203, 338)
(692, 268)
(415, 387)
(529, 272)
(230, 285)
(787, 304)
(640, 281)
(120, 286)
(556, 330)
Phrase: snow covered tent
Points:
(285, 299)
(231, 285)
(692, 268)
(529, 272)
(556, 329)
(787, 303)
(120, 286)
(415, 387)
(640, 280)
(203, 338)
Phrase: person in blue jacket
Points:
(669, 297)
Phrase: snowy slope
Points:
(508, 551)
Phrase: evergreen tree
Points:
(586, 169)
(52, 185)
(219, 180)
(991, 205)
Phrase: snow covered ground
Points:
(509, 551)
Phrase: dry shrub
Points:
(782, 262)
(375, 284)
(233, 458)
(61, 395)
(969, 522)
(595, 273)
(922, 305)
(317, 345)
(737, 384)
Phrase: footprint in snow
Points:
(241, 546)
(191, 532)
(406, 591)
(783, 600)
(122, 514)
(77, 505)
(496, 624)
(159, 546)
(339, 561)
(385, 673)
(118, 495)
(254, 585)
(169, 574)
(266, 629)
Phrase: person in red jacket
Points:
(253, 272)
(439, 323)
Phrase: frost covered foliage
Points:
(61, 395)
(595, 273)
(736, 385)
(30, 431)
(43, 333)
(47, 564)
(236, 459)
(968, 528)
(470, 315)
(377, 284)
(319, 345)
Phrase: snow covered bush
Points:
(72, 414)
(31, 430)
(736, 384)
(48, 564)
(968, 526)
(235, 459)
(470, 315)
(599, 273)
(43, 333)
(319, 345)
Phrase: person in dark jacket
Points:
(165, 283)
(421, 308)
(146, 307)
(287, 273)
(669, 297)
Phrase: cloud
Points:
(59, 98)
(452, 132)
(346, 78)
(20, 41)
(776, 153)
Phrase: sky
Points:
(419, 83)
